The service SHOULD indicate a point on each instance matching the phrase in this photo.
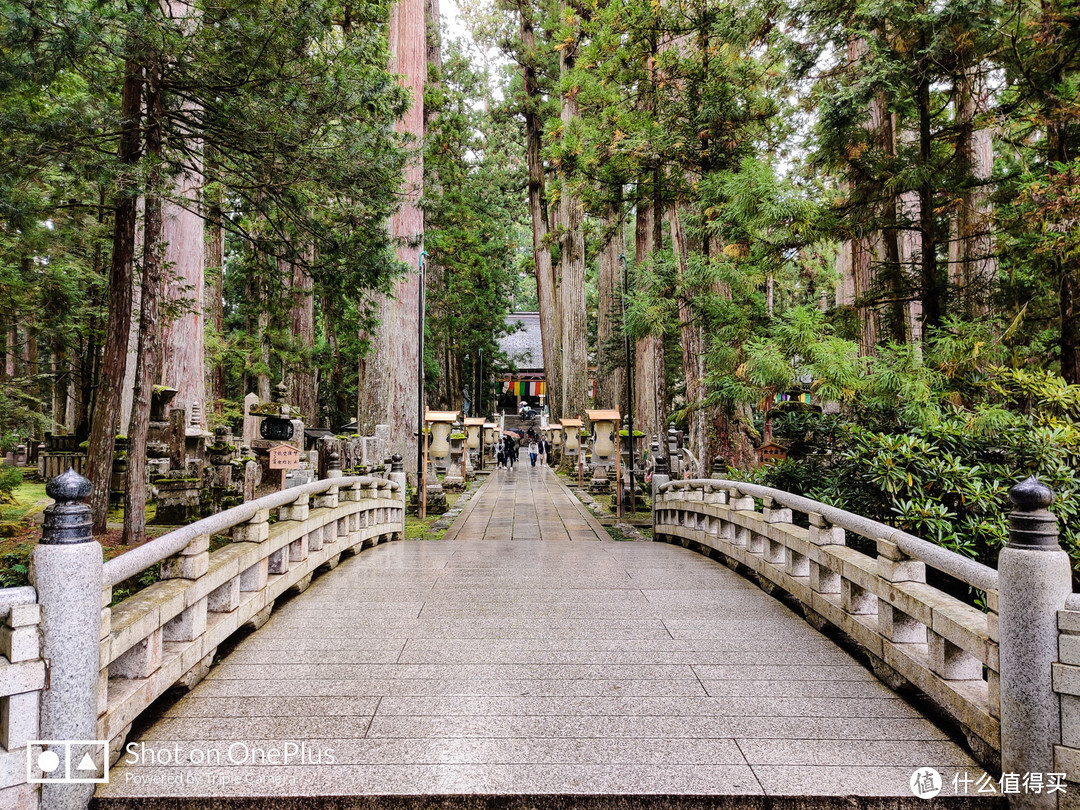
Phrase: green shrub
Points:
(10, 478)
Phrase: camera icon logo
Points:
(67, 762)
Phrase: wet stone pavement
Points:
(527, 654)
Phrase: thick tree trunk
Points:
(107, 402)
(183, 348)
(647, 350)
(610, 356)
(909, 252)
(441, 393)
(547, 300)
(692, 342)
(575, 359)
(183, 359)
(933, 297)
(150, 332)
(388, 375)
(1070, 325)
(262, 329)
(302, 381)
(972, 264)
(214, 304)
(338, 399)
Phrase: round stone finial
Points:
(280, 392)
(68, 521)
(334, 460)
(1031, 494)
(68, 486)
(396, 463)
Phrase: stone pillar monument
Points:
(1034, 579)
(68, 576)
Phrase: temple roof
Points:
(524, 347)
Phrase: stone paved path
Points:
(527, 654)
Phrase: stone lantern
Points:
(491, 437)
(441, 424)
(474, 443)
(603, 442)
(456, 472)
(571, 434)
(555, 429)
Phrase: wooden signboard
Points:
(284, 457)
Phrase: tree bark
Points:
(183, 359)
(150, 329)
(610, 357)
(183, 348)
(692, 342)
(933, 299)
(575, 361)
(303, 384)
(972, 264)
(107, 402)
(388, 375)
(909, 250)
(214, 303)
(547, 300)
(647, 350)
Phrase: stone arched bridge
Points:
(777, 652)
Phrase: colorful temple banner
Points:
(524, 388)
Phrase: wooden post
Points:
(580, 450)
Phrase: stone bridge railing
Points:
(992, 670)
(79, 667)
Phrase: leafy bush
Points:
(10, 478)
(947, 482)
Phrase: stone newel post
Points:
(660, 474)
(397, 473)
(68, 577)
(1034, 578)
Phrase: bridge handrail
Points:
(911, 631)
(161, 548)
(941, 559)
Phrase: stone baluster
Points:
(993, 630)
(893, 623)
(823, 579)
(738, 501)
(397, 475)
(1035, 578)
(20, 640)
(775, 551)
(298, 511)
(255, 530)
(191, 564)
(68, 576)
(327, 499)
(660, 477)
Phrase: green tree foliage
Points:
(284, 109)
(473, 204)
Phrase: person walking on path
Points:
(543, 451)
(500, 454)
(511, 452)
(534, 451)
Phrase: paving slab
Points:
(529, 661)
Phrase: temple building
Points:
(524, 349)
